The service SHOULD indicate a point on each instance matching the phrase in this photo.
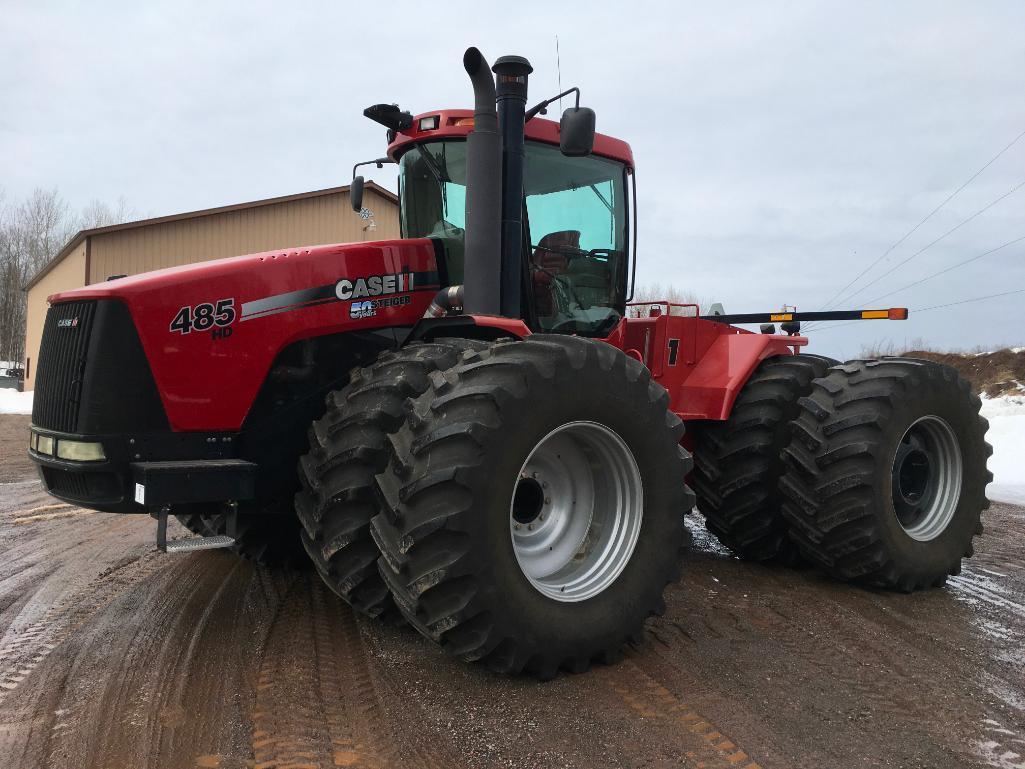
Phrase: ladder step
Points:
(199, 543)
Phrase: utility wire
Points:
(946, 270)
(952, 230)
(939, 306)
(912, 231)
(924, 248)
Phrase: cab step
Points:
(193, 544)
(198, 543)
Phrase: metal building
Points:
(306, 219)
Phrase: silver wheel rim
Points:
(576, 510)
(926, 478)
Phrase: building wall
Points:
(70, 273)
(311, 221)
(304, 222)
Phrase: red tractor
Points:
(466, 428)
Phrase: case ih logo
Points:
(375, 285)
(67, 323)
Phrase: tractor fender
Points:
(711, 387)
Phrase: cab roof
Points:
(457, 123)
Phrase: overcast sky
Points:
(781, 147)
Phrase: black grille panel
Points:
(91, 487)
(61, 367)
(74, 485)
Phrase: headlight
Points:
(33, 441)
(44, 445)
(80, 451)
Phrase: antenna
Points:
(558, 69)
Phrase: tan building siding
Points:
(300, 220)
(70, 273)
(307, 222)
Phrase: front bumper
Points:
(143, 473)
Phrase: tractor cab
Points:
(574, 257)
(575, 219)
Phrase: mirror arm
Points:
(542, 107)
(379, 162)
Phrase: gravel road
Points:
(113, 655)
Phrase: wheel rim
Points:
(926, 478)
(576, 510)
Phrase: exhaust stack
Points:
(483, 238)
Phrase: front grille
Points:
(93, 487)
(61, 367)
(74, 485)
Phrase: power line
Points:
(912, 231)
(939, 306)
(952, 230)
(924, 248)
(976, 299)
(947, 269)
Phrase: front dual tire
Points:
(533, 505)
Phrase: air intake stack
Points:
(512, 72)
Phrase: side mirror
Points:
(576, 132)
(356, 193)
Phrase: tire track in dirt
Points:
(318, 702)
(701, 741)
(885, 664)
(172, 695)
(24, 648)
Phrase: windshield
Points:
(575, 223)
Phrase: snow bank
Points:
(1006, 416)
(14, 402)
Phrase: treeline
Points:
(32, 231)
(656, 293)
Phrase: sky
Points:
(781, 148)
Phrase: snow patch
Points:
(1006, 415)
(994, 754)
(14, 402)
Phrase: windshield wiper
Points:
(601, 197)
(436, 170)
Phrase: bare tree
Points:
(100, 214)
(32, 233)
(657, 294)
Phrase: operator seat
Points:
(549, 260)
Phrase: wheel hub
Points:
(926, 478)
(576, 509)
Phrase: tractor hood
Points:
(230, 318)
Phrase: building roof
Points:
(83, 234)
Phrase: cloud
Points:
(780, 146)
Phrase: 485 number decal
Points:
(204, 317)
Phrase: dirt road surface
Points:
(112, 655)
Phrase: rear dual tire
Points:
(460, 492)
(738, 463)
(886, 473)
